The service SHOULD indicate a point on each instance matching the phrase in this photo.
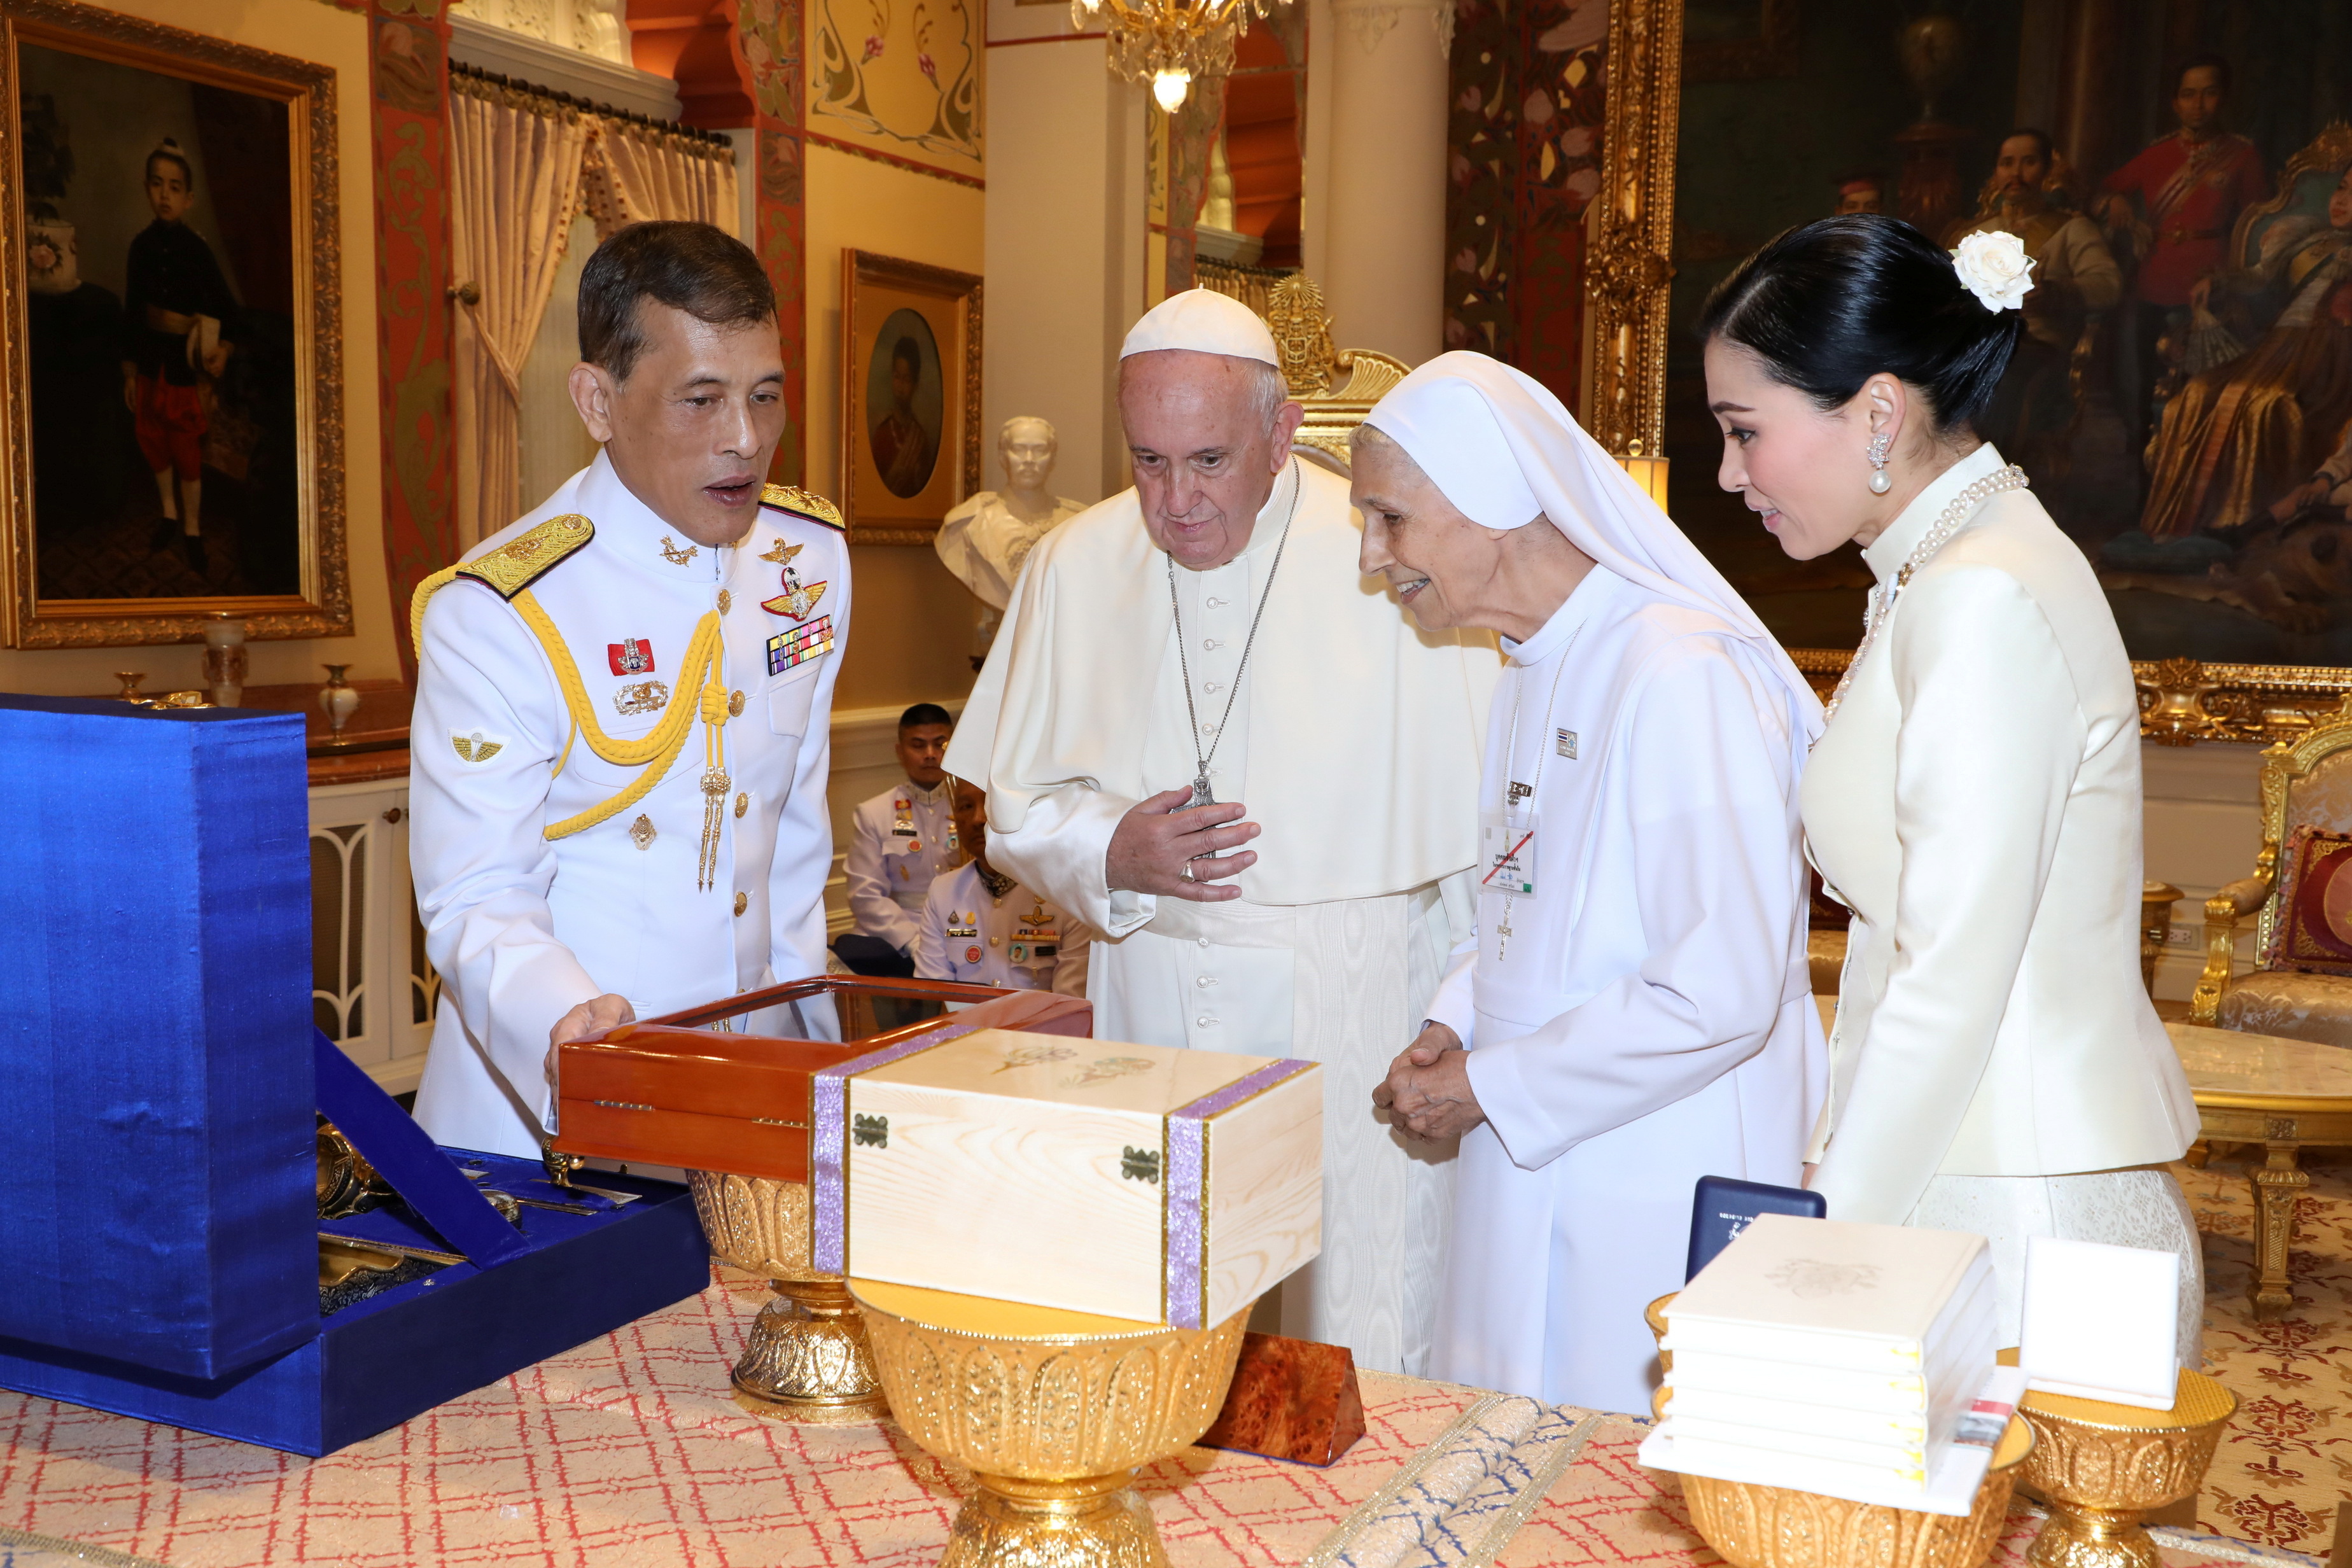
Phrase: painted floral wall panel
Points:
(898, 77)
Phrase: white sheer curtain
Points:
(515, 163)
(635, 173)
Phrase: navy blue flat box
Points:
(375, 1363)
(157, 1209)
(1721, 1207)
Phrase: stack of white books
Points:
(1836, 1358)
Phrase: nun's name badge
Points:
(1506, 858)
(1564, 742)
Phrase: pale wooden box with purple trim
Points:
(1138, 1181)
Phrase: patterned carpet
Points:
(2286, 1459)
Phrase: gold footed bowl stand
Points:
(807, 1359)
(2102, 1467)
(1052, 1412)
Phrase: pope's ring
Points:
(1188, 872)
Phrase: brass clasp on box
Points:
(870, 1132)
(1140, 1165)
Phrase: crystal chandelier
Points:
(1168, 43)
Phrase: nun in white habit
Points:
(1633, 1011)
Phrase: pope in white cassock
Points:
(1195, 665)
(1633, 1011)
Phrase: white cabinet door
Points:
(371, 991)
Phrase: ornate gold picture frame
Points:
(911, 341)
(171, 343)
(1630, 232)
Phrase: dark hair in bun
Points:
(1828, 306)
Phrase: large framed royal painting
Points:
(911, 341)
(2182, 400)
(170, 334)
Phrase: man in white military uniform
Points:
(623, 698)
(1208, 630)
(983, 928)
(900, 842)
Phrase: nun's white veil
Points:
(1506, 451)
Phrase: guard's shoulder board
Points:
(526, 558)
(801, 503)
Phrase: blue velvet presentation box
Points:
(159, 1073)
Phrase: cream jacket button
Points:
(1204, 1023)
(742, 902)
(742, 803)
(734, 705)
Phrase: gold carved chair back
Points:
(1336, 386)
(2308, 783)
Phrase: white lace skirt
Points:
(2140, 1207)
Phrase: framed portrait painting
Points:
(910, 340)
(2181, 397)
(171, 340)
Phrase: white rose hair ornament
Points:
(1995, 268)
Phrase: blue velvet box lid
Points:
(157, 1192)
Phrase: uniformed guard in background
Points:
(899, 841)
(624, 700)
(983, 928)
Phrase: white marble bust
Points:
(985, 540)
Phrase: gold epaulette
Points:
(801, 503)
(526, 558)
(510, 569)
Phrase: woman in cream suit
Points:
(1995, 1067)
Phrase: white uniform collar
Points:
(934, 795)
(1890, 550)
(637, 534)
(1587, 599)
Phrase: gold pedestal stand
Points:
(807, 1359)
(2103, 1467)
(1050, 1412)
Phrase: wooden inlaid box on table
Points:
(696, 1090)
(1136, 1181)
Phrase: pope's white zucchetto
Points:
(1203, 321)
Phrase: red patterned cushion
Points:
(2312, 930)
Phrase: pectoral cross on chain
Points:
(1201, 795)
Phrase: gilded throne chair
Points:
(2299, 897)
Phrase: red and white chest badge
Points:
(630, 655)
(798, 601)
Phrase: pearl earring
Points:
(1879, 483)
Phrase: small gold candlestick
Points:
(807, 1359)
(1050, 1412)
(2103, 1467)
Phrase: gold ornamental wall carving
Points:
(1629, 232)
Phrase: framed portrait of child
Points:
(171, 341)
